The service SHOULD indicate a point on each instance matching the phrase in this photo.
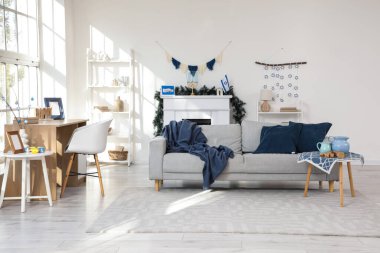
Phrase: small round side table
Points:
(25, 182)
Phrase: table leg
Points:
(341, 184)
(309, 168)
(23, 184)
(5, 179)
(331, 185)
(351, 180)
(46, 178)
(28, 180)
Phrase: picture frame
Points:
(14, 140)
(225, 84)
(56, 107)
(167, 90)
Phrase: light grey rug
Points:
(279, 211)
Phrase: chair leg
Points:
(99, 174)
(68, 169)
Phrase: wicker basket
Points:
(118, 155)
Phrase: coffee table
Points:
(326, 165)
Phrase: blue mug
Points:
(323, 147)
(41, 149)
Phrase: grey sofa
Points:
(245, 166)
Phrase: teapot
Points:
(340, 143)
(325, 146)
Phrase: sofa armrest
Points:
(157, 150)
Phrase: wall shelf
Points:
(278, 116)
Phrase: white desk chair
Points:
(87, 140)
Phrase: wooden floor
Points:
(61, 228)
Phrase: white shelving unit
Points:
(103, 90)
(277, 116)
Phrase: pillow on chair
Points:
(310, 135)
(279, 139)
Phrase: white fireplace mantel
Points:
(216, 108)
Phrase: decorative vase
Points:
(119, 105)
(265, 107)
(340, 143)
(24, 138)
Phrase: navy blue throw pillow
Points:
(279, 139)
(310, 135)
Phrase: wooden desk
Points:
(54, 135)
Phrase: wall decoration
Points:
(194, 69)
(283, 80)
(225, 84)
(167, 90)
(238, 110)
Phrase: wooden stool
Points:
(331, 183)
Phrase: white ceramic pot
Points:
(24, 138)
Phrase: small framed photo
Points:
(167, 90)
(56, 107)
(15, 142)
(225, 84)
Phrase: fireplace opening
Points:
(200, 121)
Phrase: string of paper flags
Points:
(193, 69)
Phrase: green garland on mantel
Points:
(238, 110)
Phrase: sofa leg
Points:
(331, 185)
(157, 185)
(320, 185)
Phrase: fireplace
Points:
(207, 109)
(201, 121)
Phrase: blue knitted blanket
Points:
(186, 137)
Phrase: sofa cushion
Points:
(310, 135)
(275, 164)
(226, 135)
(279, 139)
(187, 163)
(182, 163)
(250, 133)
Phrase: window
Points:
(18, 28)
(18, 59)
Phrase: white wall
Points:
(339, 39)
(52, 50)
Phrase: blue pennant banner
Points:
(176, 63)
(210, 64)
(193, 69)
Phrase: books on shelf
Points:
(289, 109)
